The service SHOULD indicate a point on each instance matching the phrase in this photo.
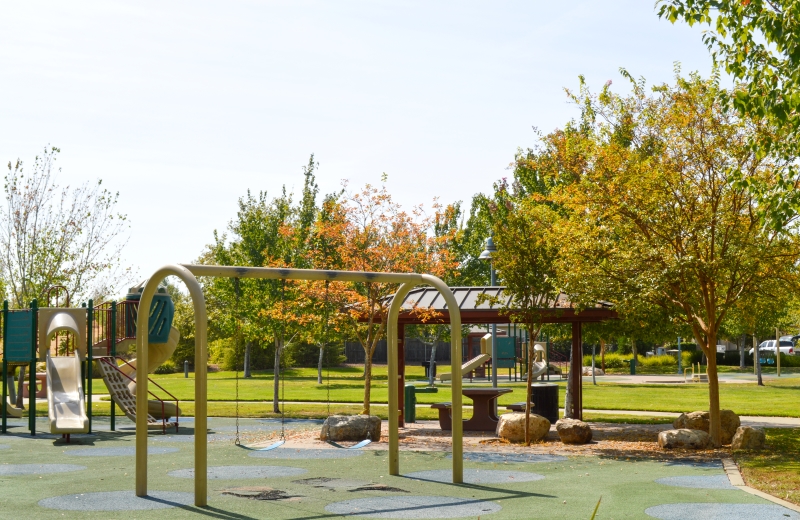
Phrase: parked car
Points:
(768, 347)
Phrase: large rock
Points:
(512, 427)
(729, 422)
(587, 371)
(684, 438)
(748, 438)
(573, 431)
(351, 428)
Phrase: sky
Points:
(183, 106)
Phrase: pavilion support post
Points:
(575, 371)
(401, 368)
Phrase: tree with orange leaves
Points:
(368, 231)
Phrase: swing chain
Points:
(237, 442)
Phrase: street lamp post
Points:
(487, 254)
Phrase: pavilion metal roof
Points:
(488, 311)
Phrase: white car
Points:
(768, 347)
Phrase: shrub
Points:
(659, 361)
(167, 367)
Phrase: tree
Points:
(266, 233)
(59, 236)
(525, 258)
(757, 42)
(655, 218)
(367, 231)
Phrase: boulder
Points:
(748, 438)
(351, 428)
(729, 422)
(573, 431)
(684, 438)
(511, 427)
(587, 371)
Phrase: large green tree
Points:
(655, 218)
(757, 42)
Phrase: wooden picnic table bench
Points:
(484, 418)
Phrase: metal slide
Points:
(65, 401)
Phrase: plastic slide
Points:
(65, 401)
(157, 354)
(470, 365)
(11, 403)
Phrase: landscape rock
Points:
(729, 422)
(684, 438)
(351, 428)
(573, 431)
(512, 427)
(748, 438)
(587, 371)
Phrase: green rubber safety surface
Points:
(253, 487)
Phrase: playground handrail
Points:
(107, 360)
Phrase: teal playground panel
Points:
(19, 335)
(162, 312)
(506, 353)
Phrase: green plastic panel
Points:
(506, 353)
(18, 342)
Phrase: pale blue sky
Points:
(183, 106)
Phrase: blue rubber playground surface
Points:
(93, 477)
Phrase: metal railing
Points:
(111, 362)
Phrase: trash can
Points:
(427, 365)
(632, 364)
(544, 397)
(409, 404)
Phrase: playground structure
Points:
(188, 273)
(61, 336)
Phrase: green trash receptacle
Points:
(410, 404)
(632, 364)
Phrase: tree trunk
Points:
(20, 381)
(247, 359)
(742, 344)
(603, 355)
(432, 361)
(568, 412)
(319, 365)
(594, 378)
(714, 429)
(757, 361)
(368, 383)
(528, 382)
(276, 379)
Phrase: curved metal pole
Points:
(200, 383)
(455, 361)
(455, 367)
(393, 361)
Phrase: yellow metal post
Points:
(201, 430)
(394, 398)
(455, 363)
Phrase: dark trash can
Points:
(544, 397)
(427, 365)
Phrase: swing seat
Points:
(353, 447)
(271, 447)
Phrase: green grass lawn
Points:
(775, 469)
(778, 398)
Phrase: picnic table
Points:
(484, 418)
